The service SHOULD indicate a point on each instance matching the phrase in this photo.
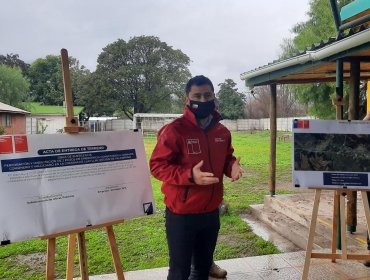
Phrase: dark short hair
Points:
(198, 81)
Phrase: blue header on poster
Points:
(345, 179)
(22, 164)
(71, 150)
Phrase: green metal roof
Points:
(354, 8)
(315, 64)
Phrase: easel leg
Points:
(50, 259)
(115, 253)
(335, 224)
(70, 256)
(365, 201)
(343, 227)
(311, 234)
(83, 255)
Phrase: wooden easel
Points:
(338, 203)
(79, 234)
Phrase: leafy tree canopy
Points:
(319, 26)
(13, 86)
(92, 95)
(13, 60)
(231, 102)
(142, 75)
(47, 80)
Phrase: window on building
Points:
(6, 120)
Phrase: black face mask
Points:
(202, 110)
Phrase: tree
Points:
(231, 102)
(319, 26)
(258, 105)
(143, 75)
(13, 86)
(317, 98)
(92, 94)
(13, 60)
(47, 79)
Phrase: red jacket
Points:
(181, 145)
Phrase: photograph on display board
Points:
(332, 152)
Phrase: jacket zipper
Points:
(210, 163)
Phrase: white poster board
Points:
(58, 182)
(331, 154)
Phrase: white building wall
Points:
(31, 125)
(114, 125)
(45, 124)
(55, 124)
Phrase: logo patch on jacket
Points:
(193, 146)
(219, 140)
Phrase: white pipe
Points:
(301, 59)
(337, 47)
(342, 45)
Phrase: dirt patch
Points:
(285, 186)
(36, 261)
(229, 239)
(288, 186)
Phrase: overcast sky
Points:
(223, 38)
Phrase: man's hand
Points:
(236, 170)
(203, 178)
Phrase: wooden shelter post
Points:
(272, 178)
(339, 90)
(339, 103)
(354, 102)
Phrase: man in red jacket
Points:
(191, 156)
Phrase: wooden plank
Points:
(70, 119)
(70, 256)
(83, 256)
(343, 227)
(335, 224)
(365, 202)
(311, 234)
(50, 259)
(64, 233)
(115, 253)
(339, 256)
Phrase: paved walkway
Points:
(286, 266)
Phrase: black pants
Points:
(191, 236)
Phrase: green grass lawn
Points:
(142, 242)
(40, 109)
